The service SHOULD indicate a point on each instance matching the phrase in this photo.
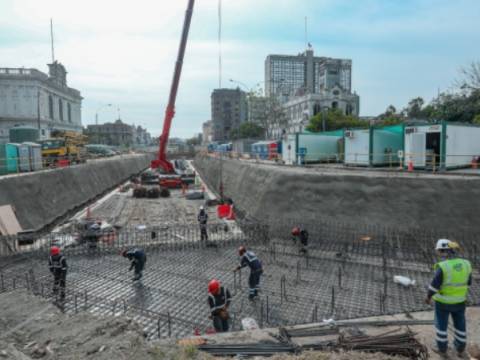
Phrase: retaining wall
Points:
(41, 198)
(398, 200)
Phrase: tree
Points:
(470, 77)
(414, 108)
(194, 141)
(476, 119)
(334, 119)
(247, 130)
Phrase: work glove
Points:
(223, 314)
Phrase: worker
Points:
(137, 259)
(219, 299)
(449, 289)
(302, 235)
(202, 221)
(248, 258)
(58, 267)
(92, 234)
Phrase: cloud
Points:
(123, 52)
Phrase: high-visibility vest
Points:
(454, 288)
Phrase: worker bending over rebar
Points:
(219, 299)
(248, 258)
(58, 267)
(137, 259)
(302, 235)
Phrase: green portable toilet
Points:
(8, 159)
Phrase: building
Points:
(207, 136)
(257, 109)
(306, 84)
(229, 110)
(118, 134)
(29, 97)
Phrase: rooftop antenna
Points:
(306, 32)
(51, 38)
(219, 44)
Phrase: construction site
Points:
(356, 290)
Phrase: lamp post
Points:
(98, 109)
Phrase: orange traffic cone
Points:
(410, 166)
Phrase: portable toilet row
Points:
(307, 147)
(23, 157)
(376, 146)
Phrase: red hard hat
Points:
(241, 250)
(54, 250)
(296, 231)
(213, 286)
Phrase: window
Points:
(60, 109)
(335, 105)
(69, 112)
(50, 106)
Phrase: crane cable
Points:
(219, 44)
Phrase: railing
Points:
(385, 160)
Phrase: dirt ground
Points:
(33, 328)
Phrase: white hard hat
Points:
(201, 207)
(443, 244)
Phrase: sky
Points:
(123, 52)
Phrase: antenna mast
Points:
(51, 38)
(306, 32)
(219, 44)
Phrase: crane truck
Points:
(168, 175)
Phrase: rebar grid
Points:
(348, 273)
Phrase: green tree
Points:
(476, 119)
(414, 108)
(247, 130)
(334, 119)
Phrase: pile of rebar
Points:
(252, 349)
(396, 343)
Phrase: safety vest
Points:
(454, 288)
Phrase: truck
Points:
(64, 148)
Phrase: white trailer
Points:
(444, 145)
(357, 147)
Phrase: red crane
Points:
(161, 162)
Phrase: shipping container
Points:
(307, 147)
(376, 146)
(35, 155)
(8, 159)
(443, 145)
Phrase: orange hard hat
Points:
(54, 250)
(213, 286)
(296, 231)
(241, 250)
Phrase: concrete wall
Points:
(403, 201)
(41, 198)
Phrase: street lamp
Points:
(100, 108)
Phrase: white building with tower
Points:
(29, 97)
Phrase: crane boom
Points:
(161, 161)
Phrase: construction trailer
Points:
(375, 146)
(308, 147)
(8, 159)
(441, 146)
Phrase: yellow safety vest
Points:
(454, 289)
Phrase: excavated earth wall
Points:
(41, 198)
(399, 200)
